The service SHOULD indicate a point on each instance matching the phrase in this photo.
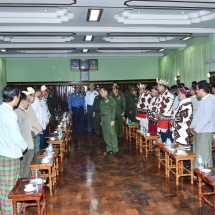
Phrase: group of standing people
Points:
(24, 117)
(178, 114)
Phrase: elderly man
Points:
(90, 96)
(203, 124)
(12, 144)
(77, 107)
(25, 129)
(36, 128)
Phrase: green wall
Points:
(3, 79)
(51, 69)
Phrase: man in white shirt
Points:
(203, 124)
(90, 96)
(41, 114)
(12, 144)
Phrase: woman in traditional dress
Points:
(182, 118)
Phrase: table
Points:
(50, 170)
(130, 131)
(208, 178)
(59, 143)
(145, 142)
(175, 163)
(19, 195)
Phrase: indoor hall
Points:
(117, 46)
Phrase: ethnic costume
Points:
(164, 109)
(143, 106)
(204, 125)
(151, 115)
(182, 118)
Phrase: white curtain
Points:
(192, 65)
(167, 69)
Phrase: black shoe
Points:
(108, 153)
(115, 154)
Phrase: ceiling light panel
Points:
(94, 15)
(186, 38)
(85, 50)
(88, 38)
(54, 16)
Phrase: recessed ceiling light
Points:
(45, 9)
(3, 50)
(160, 50)
(88, 38)
(182, 12)
(186, 38)
(85, 50)
(94, 15)
(139, 11)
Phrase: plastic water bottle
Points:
(200, 162)
(59, 132)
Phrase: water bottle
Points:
(200, 162)
(36, 174)
(59, 132)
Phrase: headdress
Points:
(29, 91)
(184, 91)
(162, 82)
(141, 86)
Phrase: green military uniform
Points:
(51, 102)
(120, 108)
(108, 114)
(133, 108)
(97, 110)
(128, 97)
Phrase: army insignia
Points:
(119, 98)
(107, 100)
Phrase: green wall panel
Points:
(58, 69)
(3, 79)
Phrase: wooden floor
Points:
(91, 183)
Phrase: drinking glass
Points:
(36, 173)
(205, 165)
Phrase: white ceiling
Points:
(47, 28)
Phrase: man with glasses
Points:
(203, 124)
(12, 145)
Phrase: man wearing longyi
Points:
(12, 145)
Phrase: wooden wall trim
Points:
(144, 81)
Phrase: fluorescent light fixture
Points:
(162, 49)
(85, 50)
(88, 38)
(3, 50)
(186, 38)
(94, 15)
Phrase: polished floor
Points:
(130, 184)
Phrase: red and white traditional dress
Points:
(164, 109)
(142, 108)
(151, 115)
(182, 118)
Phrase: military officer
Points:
(128, 98)
(108, 115)
(97, 112)
(120, 110)
(133, 105)
(77, 107)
